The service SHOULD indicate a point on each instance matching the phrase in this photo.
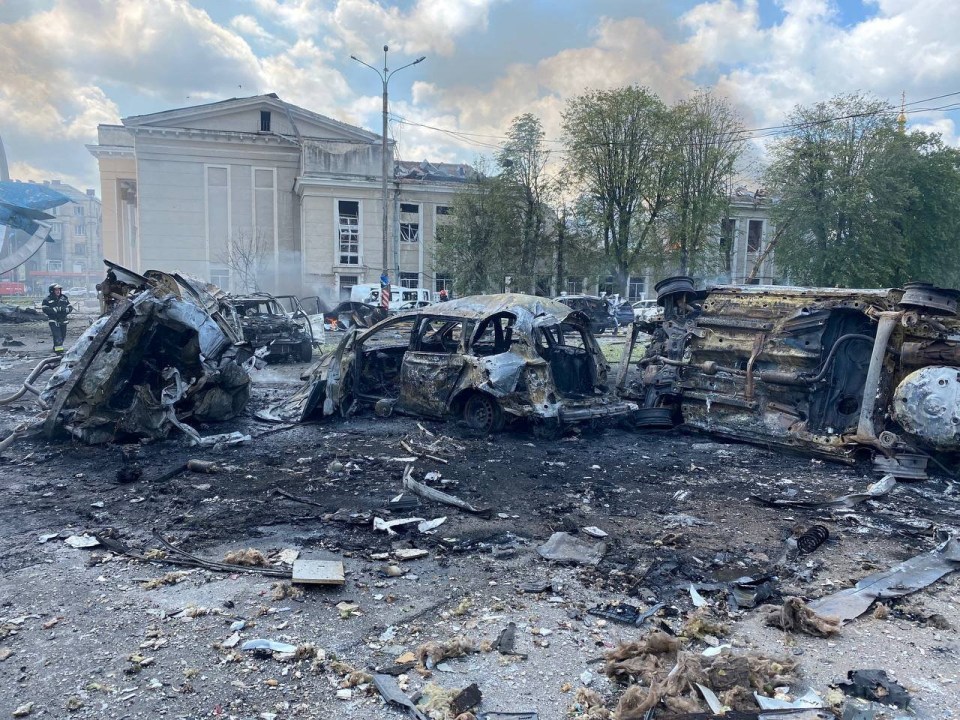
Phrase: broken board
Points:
(317, 572)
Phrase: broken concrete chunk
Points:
(318, 572)
(563, 547)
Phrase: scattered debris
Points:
(410, 553)
(318, 572)
(809, 700)
(875, 685)
(625, 613)
(466, 699)
(392, 695)
(876, 490)
(563, 547)
(439, 496)
(907, 577)
(594, 532)
(247, 558)
(81, 541)
(813, 538)
(796, 616)
(272, 646)
(433, 652)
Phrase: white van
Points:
(401, 298)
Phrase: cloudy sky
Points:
(67, 65)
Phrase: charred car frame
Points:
(487, 359)
(835, 372)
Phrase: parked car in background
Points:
(595, 308)
(623, 313)
(645, 310)
(486, 359)
(77, 292)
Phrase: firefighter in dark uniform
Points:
(56, 306)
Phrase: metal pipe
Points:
(887, 322)
(38, 370)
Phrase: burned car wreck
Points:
(844, 374)
(487, 359)
(271, 329)
(169, 352)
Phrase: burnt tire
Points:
(483, 414)
(306, 351)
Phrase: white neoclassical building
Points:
(192, 189)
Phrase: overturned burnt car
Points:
(838, 373)
(486, 358)
(168, 353)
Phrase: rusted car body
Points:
(835, 372)
(486, 358)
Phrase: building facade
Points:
(258, 188)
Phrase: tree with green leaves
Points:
(524, 185)
(615, 141)
(858, 202)
(470, 247)
(706, 139)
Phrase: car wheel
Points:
(306, 351)
(482, 413)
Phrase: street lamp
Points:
(385, 76)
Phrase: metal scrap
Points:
(903, 579)
(430, 493)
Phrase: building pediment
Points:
(247, 115)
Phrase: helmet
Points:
(54, 287)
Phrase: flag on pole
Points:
(385, 292)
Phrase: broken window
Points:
(438, 335)
(638, 286)
(264, 121)
(409, 222)
(348, 229)
(409, 279)
(754, 236)
(494, 335)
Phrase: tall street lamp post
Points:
(385, 76)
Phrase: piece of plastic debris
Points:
(698, 599)
(238, 625)
(261, 645)
(232, 640)
(389, 525)
(716, 707)
(81, 541)
(466, 699)
(809, 699)
(593, 531)
(711, 651)
(563, 547)
(428, 526)
(47, 537)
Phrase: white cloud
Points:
(248, 26)
(28, 172)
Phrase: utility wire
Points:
(742, 135)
